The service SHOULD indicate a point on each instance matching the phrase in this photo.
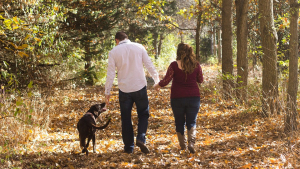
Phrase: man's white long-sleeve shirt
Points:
(129, 58)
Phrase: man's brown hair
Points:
(121, 36)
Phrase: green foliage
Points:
(205, 46)
(92, 25)
(88, 76)
(44, 38)
(168, 53)
(161, 10)
(7, 77)
(212, 60)
(101, 71)
(15, 106)
(29, 40)
(208, 9)
(283, 66)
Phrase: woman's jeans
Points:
(185, 111)
(126, 100)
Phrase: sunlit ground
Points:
(228, 136)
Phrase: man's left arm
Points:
(111, 73)
(150, 67)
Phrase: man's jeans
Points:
(185, 111)
(140, 98)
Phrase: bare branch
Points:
(184, 29)
(295, 5)
(216, 6)
(253, 19)
(13, 117)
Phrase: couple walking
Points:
(128, 58)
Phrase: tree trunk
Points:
(269, 47)
(87, 57)
(161, 37)
(291, 112)
(88, 64)
(198, 37)
(242, 39)
(254, 57)
(155, 39)
(227, 63)
(213, 42)
(219, 45)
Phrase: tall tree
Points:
(87, 22)
(269, 47)
(227, 62)
(291, 113)
(196, 11)
(242, 38)
(28, 42)
(219, 44)
(151, 19)
(198, 31)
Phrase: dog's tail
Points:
(101, 127)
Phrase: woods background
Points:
(53, 56)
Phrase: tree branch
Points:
(215, 5)
(13, 117)
(182, 28)
(253, 19)
(47, 65)
(295, 5)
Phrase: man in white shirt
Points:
(128, 58)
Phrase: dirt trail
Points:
(228, 136)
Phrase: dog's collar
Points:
(92, 115)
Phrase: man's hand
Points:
(107, 100)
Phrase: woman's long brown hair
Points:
(187, 57)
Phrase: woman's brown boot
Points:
(191, 139)
(182, 141)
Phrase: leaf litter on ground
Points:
(228, 136)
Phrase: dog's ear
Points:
(94, 108)
(102, 105)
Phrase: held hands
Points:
(156, 87)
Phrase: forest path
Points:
(228, 135)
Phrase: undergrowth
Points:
(23, 114)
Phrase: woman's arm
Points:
(168, 77)
(200, 75)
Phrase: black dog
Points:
(87, 126)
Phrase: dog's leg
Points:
(94, 143)
(82, 143)
(85, 150)
(88, 143)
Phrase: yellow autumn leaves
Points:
(17, 25)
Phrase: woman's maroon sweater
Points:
(183, 84)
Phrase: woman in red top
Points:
(185, 72)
